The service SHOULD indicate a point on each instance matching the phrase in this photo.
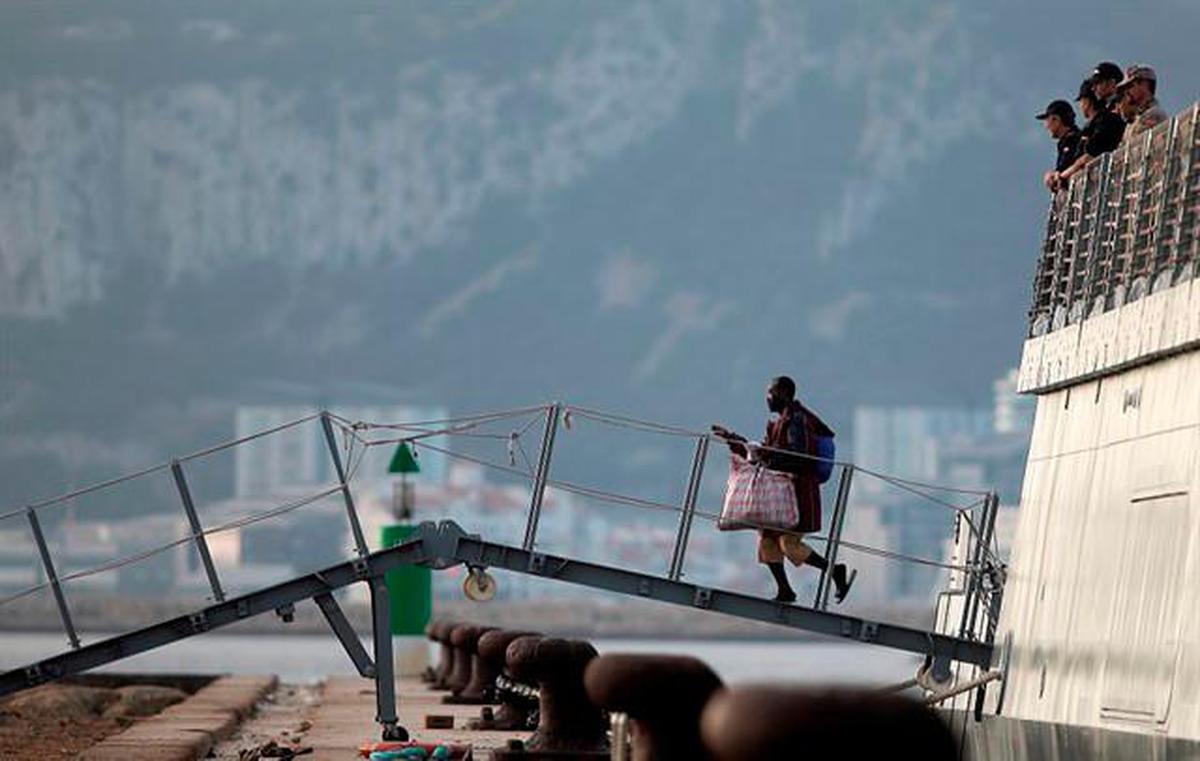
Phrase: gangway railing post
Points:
(821, 602)
(541, 475)
(360, 542)
(52, 577)
(986, 531)
(974, 574)
(688, 511)
(189, 507)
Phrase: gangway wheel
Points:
(394, 733)
(929, 679)
(479, 585)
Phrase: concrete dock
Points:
(344, 719)
(252, 717)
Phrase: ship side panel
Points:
(1102, 600)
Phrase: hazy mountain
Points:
(645, 206)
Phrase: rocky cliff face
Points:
(650, 205)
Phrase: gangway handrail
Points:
(166, 465)
(648, 504)
(636, 423)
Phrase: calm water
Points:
(308, 657)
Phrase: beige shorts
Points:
(773, 547)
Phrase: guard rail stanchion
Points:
(821, 599)
(845, 483)
(541, 475)
(360, 541)
(198, 537)
(688, 511)
(48, 565)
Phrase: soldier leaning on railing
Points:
(1116, 106)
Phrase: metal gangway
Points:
(445, 544)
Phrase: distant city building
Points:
(904, 441)
(971, 449)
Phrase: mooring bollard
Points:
(473, 692)
(783, 722)
(460, 673)
(662, 695)
(430, 674)
(516, 701)
(441, 634)
(569, 724)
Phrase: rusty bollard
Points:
(441, 634)
(460, 672)
(663, 696)
(516, 705)
(570, 726)
(431, 672)
(785, 722)
(466, 640)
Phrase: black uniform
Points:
(1101, 134)
(1069, 146)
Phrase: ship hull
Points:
(1001, 738)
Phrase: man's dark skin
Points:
(781, 397)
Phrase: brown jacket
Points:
(796, 430)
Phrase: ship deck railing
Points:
(1127, 226)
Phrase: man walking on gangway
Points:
(792, 428)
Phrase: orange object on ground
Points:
(458, 752)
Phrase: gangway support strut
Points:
(345, 634)
(385, 682)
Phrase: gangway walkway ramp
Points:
(445, 544)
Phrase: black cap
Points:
(1086, 91)
(1107, 70)
(1061, 109)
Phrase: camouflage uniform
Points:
(1150, 113)
(1149, 117)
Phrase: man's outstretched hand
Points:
(724, 433)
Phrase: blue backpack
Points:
(826, 451)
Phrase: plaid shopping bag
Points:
(757, 497)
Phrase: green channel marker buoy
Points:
(403, 461)
(410, 588)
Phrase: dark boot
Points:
(842, 581)
(785, 593)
